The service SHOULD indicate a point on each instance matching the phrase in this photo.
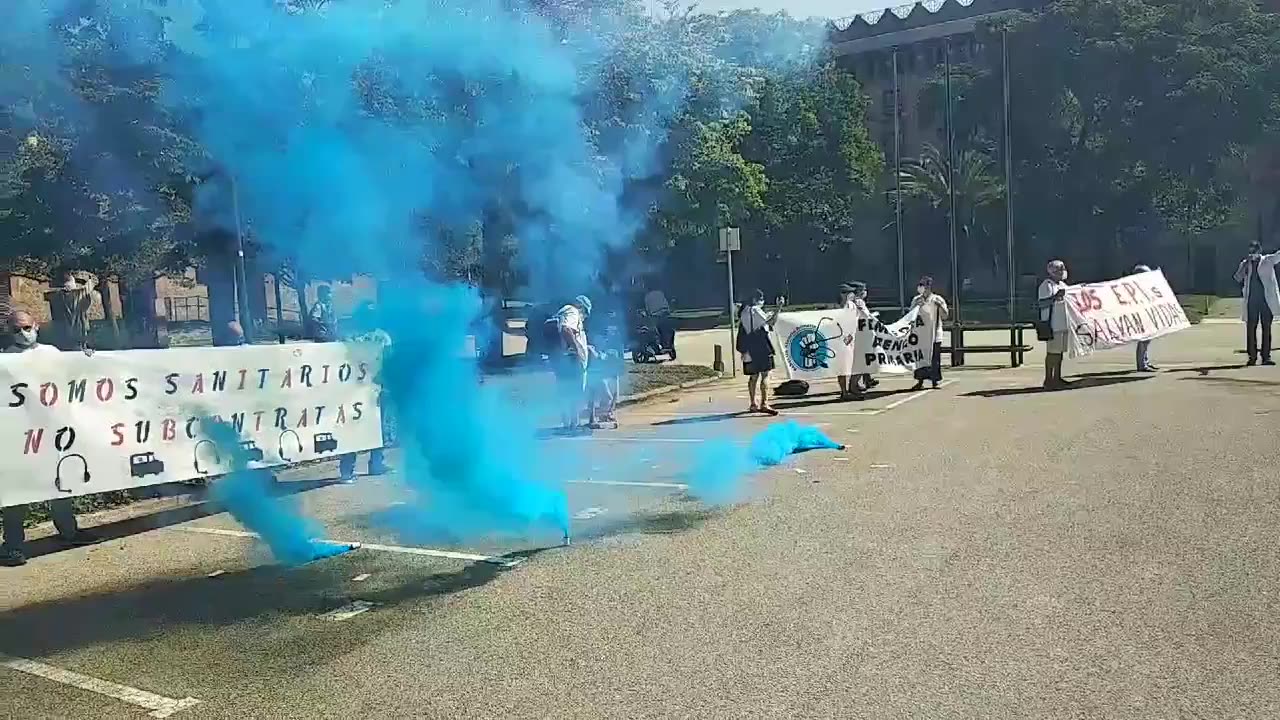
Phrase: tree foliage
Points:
(1130, 116)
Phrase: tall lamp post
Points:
(238, 273)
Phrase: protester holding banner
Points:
(23, 338)
(852, 298)
(755, 343)
(1144, 346)
(366, 331)
(1051, 300)
(933, 310)
(1257, 276)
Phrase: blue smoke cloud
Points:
(720, 465)
(352, 126)
(246, 494)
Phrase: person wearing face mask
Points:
(853, 296)
(1051, 298)
(755, 343)
(24, 339)
(933, 309)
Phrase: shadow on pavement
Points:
(718, 417)
(201, 603)
(869, 395)
(200, 506)
(1080, 383)
(1206, 369)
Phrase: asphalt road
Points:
(981, 551)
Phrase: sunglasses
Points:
(26, 328)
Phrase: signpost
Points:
(731, 240)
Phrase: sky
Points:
(803, 8)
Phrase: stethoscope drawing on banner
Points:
(57, 471)
(280, 445)
(813, 348)
(195, 455)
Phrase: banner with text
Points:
(902, 347)
(1117, 312)
(827, 343)
(77, 425)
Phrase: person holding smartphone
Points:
(755, 343)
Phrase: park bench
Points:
(1017, 346)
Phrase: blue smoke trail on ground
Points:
(247, 494)
(720, 465)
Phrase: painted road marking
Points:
(785, 414)
(589, 513)
(429, 552)
(159, 705)
(914, 396)
(216, 573)
(360, 578)
(608, 438)
(881, 466)
(348, 611)
(625, 483)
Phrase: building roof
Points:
(916, 22)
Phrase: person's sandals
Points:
(768, 411)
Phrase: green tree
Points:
(1129, 117)
(976, 187)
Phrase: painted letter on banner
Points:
(78, 425)
(1117, 312)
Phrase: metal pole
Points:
(733, 319)
(244, 316)
(1010, 264)
(897, 184)
(957, 355)
(951, 184)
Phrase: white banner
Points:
(1117, 312)
(827, 343)
(72, 424)
(817, 343)
(901, 347)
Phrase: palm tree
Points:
(927, 177)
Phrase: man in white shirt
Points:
(571, 367)
(1051, 300)
(23, 339)
(933, 310)
(1257, 275)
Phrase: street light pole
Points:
(897, 184)
(244, 316)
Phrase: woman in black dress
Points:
(755, 343)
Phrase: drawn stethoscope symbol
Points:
(280, 445)
(57, 471)
(813, 348)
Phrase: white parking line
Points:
(159, 705)
(913, 396)
(624, 483)
(429, 552)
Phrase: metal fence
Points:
(190, 308)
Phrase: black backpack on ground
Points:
(792, 388)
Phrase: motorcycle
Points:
(652, 337)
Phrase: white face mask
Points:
(25, 338)
(922, 290)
